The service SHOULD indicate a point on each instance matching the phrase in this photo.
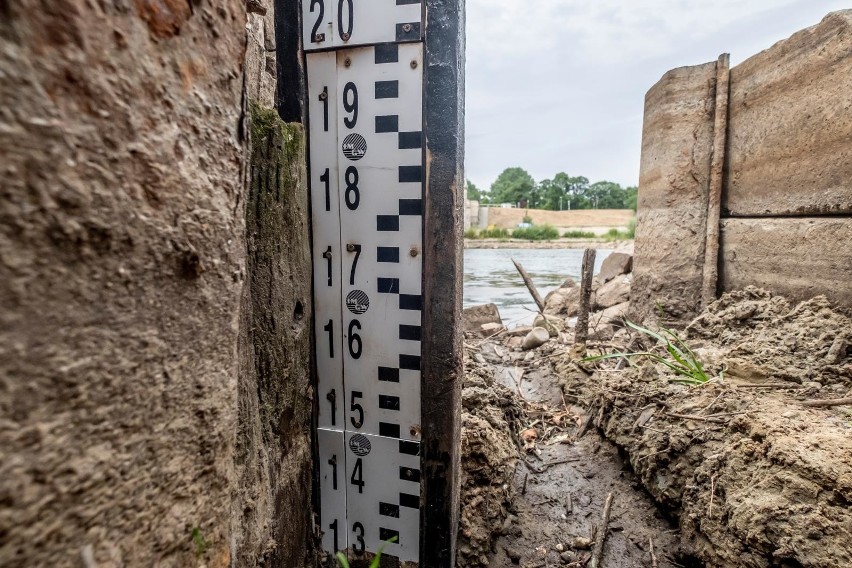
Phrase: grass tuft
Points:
(680, 358)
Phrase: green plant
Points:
(377, 559)
(536, 233)
(200, 543)
(493, 233)
(681, 359)
(471, 233)
(579, 234)
(631, 228)
(528, 219)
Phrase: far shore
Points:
(555, 244)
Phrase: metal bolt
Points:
(414, 64)
(406, 28)
(350, 248)
(344, 36)
(319, 38)
(323, 95)
(326, 254)
(413, 252)
(415, 431)
(347, 62)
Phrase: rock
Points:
(580, 543)
(475, 316)
(515, 342)
(520, 331)
(489, 329)
(569, 283)
(563, 302)
(552, 324)
(536, 338)
(616, 264)
(614, 292)
(612, 316)
(567, 557)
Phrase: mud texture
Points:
(489, 456)
(534, 484)
(755, 477)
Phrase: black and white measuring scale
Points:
(366, 145)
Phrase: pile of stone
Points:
(609, 305)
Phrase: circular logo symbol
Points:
(354, 147)
(360, 445)
(358, 302)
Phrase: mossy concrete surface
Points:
(273, 497)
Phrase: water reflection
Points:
(490, 277)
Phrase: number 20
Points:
(344, 34)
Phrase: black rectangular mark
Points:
(409, 140)
(387, 52)
(410, 501)
(387, 89)
(410, 174)
(388, 285)
(388, 402)
(388, 510)
(387, 534)
(389, 431)
(409, 332)
(409, 474)
(409, 448)
(408, 32)
(387, 222)
(404, 2)
(387, 123)
(410, 302)
(409, 362)
(411, 207)
(389, 374)
(387, 254)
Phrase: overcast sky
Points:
(559, 85)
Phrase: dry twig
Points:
(600, 539)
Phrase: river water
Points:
(490, 277)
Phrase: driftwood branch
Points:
(530, 286)
(829, 402)
(581, 332)
(597, 554)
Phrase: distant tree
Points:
(473, 192)
(607, 195)
(632, 194)
(514, 185)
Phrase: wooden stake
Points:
(581, 332)
(600, 539)
(530, 286)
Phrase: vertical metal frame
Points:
(442, 371)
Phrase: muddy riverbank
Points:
(752, 469)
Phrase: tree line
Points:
(563, 192)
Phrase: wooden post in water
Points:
(581, 331)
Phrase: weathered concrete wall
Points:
(121, 267)
(788, 154)
(674, 179)
(790, 126)
(154, 410)
(796, 257)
